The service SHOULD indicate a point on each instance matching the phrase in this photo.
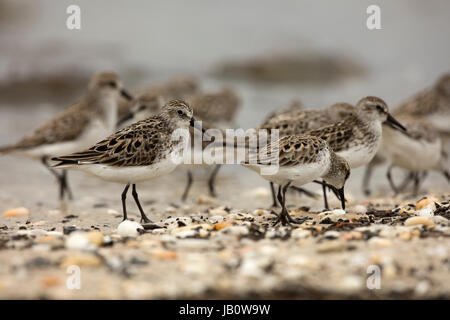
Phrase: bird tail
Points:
(75, 159)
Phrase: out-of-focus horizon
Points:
(147, 41)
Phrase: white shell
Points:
(129, 228)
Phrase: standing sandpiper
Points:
(431, 105)
(143, 151)
(77, 127)
(417, 151)
(298, 121)
(300, 159)
(358, 137)
(215, 109)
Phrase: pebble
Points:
(236, 230)
(331, 246)
(95, 238)
(360, 209)
(187, 234)
(351, 283)
(260, 212)
(81, 260)
(379, 242)
(129, 228)
(425, 212)
(427, 202)
(218, 212)
(78, 240)
(331, 234)
(338, 212)
(165, 255)
(440, 220)
(69, 229)
(414, 221)
(216, 219)
(206, 200)
(51, 281)
(17, 212)
(300, 233)
(222, 225)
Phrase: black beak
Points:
(342, 197)
(126, 95)
(125, 118)
(447, 175)
(390, 121)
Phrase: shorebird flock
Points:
(128, 137)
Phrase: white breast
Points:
(411, 154)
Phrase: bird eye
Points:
(142, 107)
(180, 112)
(379, 108)
(112, 84)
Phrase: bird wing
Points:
(338, 135)
(66, 126)
(140, 144)
(289, 151)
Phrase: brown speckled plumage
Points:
(71, 123)
(215, 107)
(141, 144)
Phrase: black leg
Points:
(305, 192)
(65, 183)
(212, 179)
(188, 186)
(406, 182)
(58, 177)
(274, 198)
(284, 216)
(136, 199)
(325, 200)
(391, 182)
(366, 180)
(124, 198)
(416, 183)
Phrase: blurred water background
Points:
(44, 66)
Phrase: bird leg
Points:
(391, 182)
(212, 180)
(124, 198)
(284, 217)
(62, 179)
(325, 200)
(188, 186)
(305, 192)
(406, 181)
(65, 184)
(366, 180)
(274, 197)
(136, 199)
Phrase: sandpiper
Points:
(431, 105)
(77, 127)
(142, 151)
(298, 121)
(178, 87)
(215, 110)
(357, 138)
(141, 108)
(417, 151)
(301, 159)
(295, 107)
